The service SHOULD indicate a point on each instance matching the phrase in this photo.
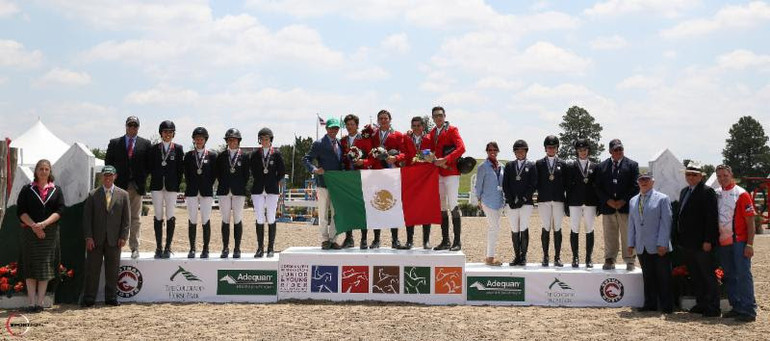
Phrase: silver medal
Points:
(551, 177)
(264, 171)
(200, 171)
(585, 180)
(518, 178)
(232, 170)
(163, 163)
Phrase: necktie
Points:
(615, 167)
(108, 196)
(130, 147)
(686, 196)
(336, 148)
(641, 207)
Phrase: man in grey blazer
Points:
(106, 216)
(649, 233)
(327, 152)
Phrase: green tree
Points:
(578, 123)
(746, 150)
(99, 153)
(295, 152)
(428, 123)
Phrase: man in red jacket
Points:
(393, 143)
(415, 141)
(364, 144)
(448, 146)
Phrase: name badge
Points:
(615, 181)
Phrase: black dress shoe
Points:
(557, 262)
(712, 313)
(697, 310)
(38, 308)
(236, 253)
(158, 253)
(407, 246)
(324, 246)
(191, 254)
(270, 254)
(166, 254)
(348, 243)
(204, 254)
(456, 247)
(225, 253)
(395, 245)
(608, 265)
(334, 246)
(745, 318)
(730, 314)
(375, 244)
(87, 304)
(443, 246)
(261, 252)
(113, 303)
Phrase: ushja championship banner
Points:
(384, 198)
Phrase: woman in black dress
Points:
(40, 205)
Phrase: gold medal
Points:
(200, 171)
(518, 178)
(585, 180)
(551, 177)
(232, 170)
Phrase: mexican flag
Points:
(384, 198)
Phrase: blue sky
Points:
(657, 74)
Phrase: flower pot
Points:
(18, 301)
(687, 302)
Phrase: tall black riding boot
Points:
(557, 236)
(225, 239)
(574, 245)
(394, 242)
(376, 242)
(260, 241)
(589, 249)
(237, 236)
(524, 244)
(270, 240)
(170, 226)
(545, 239)
(348, 242)
(192, 231)
(206, 239)
(364, 236)
(409, 238)
(444, 245)
(457, 244)
(426, 236)
(516, 240)
(158, 227)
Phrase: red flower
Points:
(13, 272)
(5, 287)
(680, 271)
(4, 280)
(18, 287)
(3, 271)
(70, 273)
(719, 273)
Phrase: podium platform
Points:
(418, 276)
(551, 286)
(180, 279)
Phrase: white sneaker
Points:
(134, 254)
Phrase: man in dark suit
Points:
(697, 233)
(327, 152)
(106, 216)
(615, 185)
(127, 154)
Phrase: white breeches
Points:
(588, 213)
(231, 204)
(519, 218)
(262, 203)
(551, 214)
(447, 191)
(161, 199)
(196, 204)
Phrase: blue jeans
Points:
(740, 283)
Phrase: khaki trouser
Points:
(134, 230)
(616, 227)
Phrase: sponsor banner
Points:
(558, 286)
(247, 282)
(498, 288)
(181, 279)
(418, 276)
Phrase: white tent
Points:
(668, 171)
(38, 142)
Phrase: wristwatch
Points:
(750, 245)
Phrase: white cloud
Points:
(668, 8)
(493, 82)
(371, 74)
(163, 95)
(730, 16)
(396, 42)
(639, 82)
(13, 53)
(489, 53)
(437, 81)
(609, 43)
(60, 76)
(3, 80)
(550, 103)
(8, 8)
(743, 59)
(143, 15)
(135, 51)
(461, 98)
